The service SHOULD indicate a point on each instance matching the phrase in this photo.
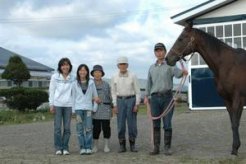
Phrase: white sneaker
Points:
(88, 151)
(106, 149)
(82, 151)
(58, 152)
(95, 145)
(94, 150)
(65, 152)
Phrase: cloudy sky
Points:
(90, 31)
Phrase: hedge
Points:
(24, 98)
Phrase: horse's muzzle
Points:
(170, 61)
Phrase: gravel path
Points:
(198, 136)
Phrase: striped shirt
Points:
(104, 110)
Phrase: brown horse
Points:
(229, 68)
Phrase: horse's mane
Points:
(216, 44)
(213, 42)
(241, 51)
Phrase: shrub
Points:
(24, 98)
(16, 71)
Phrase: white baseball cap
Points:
(122, 59)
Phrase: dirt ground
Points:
(198, 137)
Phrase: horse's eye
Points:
(180, 39)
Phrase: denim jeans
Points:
(62, 116)
(125, 113)
(84, 128)
(158, 105)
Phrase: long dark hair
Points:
(87, 76)
(62, 62)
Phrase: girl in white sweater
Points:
(60, 100)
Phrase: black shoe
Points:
(167, 142)
(154, 152)
(122, 146)
(132, 145)
(122, 149)
(133, 148)
(168, 151)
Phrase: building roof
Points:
(201, 9)
(31, 64)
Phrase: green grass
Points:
(181, 108)
(16, 117)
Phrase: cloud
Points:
(71, 20)
(89, 32)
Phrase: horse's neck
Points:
(207, 56)
(211, 54)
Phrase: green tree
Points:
(16, 71)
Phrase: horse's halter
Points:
(180, 54)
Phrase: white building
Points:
(40, 74)
(226, 20)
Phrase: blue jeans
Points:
(62, 115)
(158, 105)
(84, 128)
(125, 113)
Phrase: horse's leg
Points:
(235, 116)
(229, 109)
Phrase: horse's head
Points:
(182, 47)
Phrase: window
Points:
(219, 31)
(3, 83)
(244, 28)
(40, 84)
(237, 43)
(244, 42)
(228, 30)
(211, 30)
(228, 41)
(9, 83)
(34, 83)
(237, 29)
(30, 83)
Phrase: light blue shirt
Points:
(83, 101)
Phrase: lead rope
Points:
(170, 105)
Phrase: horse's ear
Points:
(188, 25)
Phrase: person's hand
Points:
(146, 100)
(135, 108)
(52, 109)
(185, 72)
(115, 110)
(97, 100)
